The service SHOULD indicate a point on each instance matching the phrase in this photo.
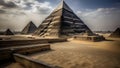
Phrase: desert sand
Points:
(15, 65)
(80, 54)
(83, 54)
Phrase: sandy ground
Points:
(81, 54)
(14, 65)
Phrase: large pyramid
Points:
(29, 28)
(116, 33)
(61, 22)
(9, 32)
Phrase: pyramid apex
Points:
(8, 32)
(62, 0)
(31, 22)
(118, 28)
(8, 29)
(29, 28)
(116, 33)
(63, 5)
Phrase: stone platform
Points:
(10, 43)
(7, 53)
(89, 38)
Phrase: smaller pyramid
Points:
(116, 33)
(9, 32)
(29, 28)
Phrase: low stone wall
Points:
(32, 49)
(6, 53)
(31, 63)
(90, 38)
(54, 40)
(8, 47)
(10, 43)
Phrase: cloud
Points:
(7, 4)
(20, 12)
(31, 6)
(101, 18)
(42, 8)
(34, 6)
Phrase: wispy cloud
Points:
(101, 18)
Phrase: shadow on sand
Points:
(109, 40)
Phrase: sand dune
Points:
(82, 54)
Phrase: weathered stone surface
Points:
(31, 63)
(90, 38)
(10, 43)
(6, 53)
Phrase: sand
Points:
(12, 65)
(82, 54)
(79, 54)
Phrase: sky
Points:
(98, 15)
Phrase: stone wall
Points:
(31, 63)
(10, 43)
(54, 40)
(6, 53)
(32, 49)
(90, 38)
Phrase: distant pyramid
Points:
(29, 28)
(9, 32)
(61, 22)
(116, 33)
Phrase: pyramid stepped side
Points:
(51, 25)
(71, 24)
(9, 32)
(25, 30)
(63, 5)
(62, 21)
(29, 28)
(116, 33)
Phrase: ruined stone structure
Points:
(8, 32)
(61, 22)
(116, 33)
(29, 28)
(89, 36)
